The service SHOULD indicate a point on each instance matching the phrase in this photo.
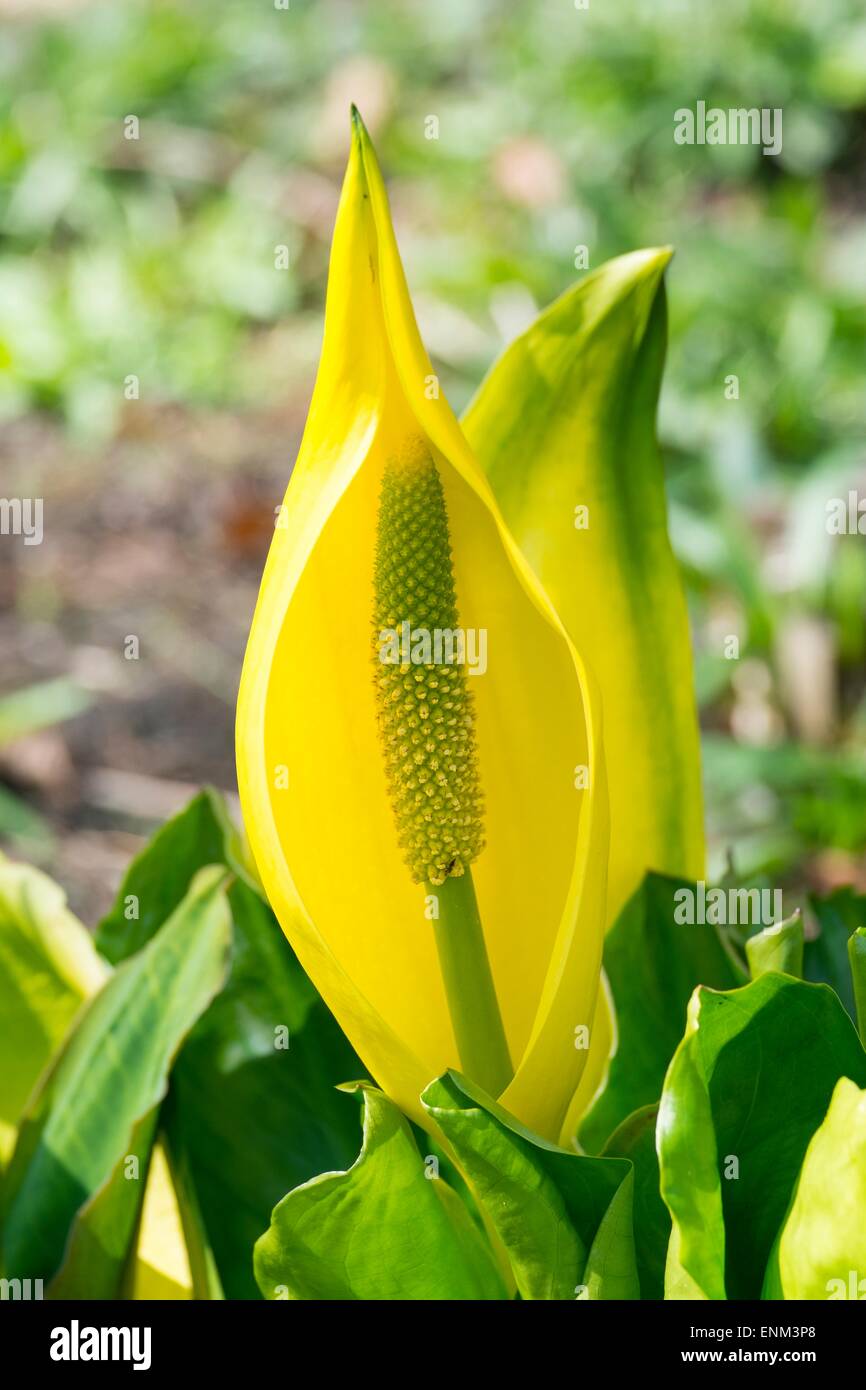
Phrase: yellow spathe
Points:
(161, 1269)
(310, 765)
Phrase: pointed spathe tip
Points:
(664, 255)
(652, 260)
(637, 270)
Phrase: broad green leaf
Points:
(254, 1111)
(384, 1230)
(257, 1111)
(172, 1258)
(96, 1100)
(47, 968)
(158, 877)
(778, 947)
(689, 1175)
(749, 1085)
(566, 420)
(102, 1234)
(825, 957)
(823, 1241)
(653, 963)
(556, 1213)
(635, 1139)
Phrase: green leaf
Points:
(47, 968)
(611, 1270)
(254, 1111)
(823, 1241)
(158, 877)
(825, 957)
(383, 1230)
(254, 1117)
(96, 1101)
(559, 1215)
(566, 419)
(102, 1234)
(653, 964)
(635, 1139)
(857, 962)
(747, 1088)
(778, 947)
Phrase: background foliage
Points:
(155, 257)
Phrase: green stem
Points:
(469, 985)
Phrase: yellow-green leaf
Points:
(563, 1219)
(822, 1249)
(777, 947)
(564, 427)
(48, 966)
(387, 1229)
(747, 1088)
(95, 1104)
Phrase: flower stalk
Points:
(469, 986)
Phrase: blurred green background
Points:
(154, 258)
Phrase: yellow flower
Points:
(352, 879)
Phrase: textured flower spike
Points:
(425, 708)
(322, 761)
(427, 725)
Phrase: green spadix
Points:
(427, 728)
